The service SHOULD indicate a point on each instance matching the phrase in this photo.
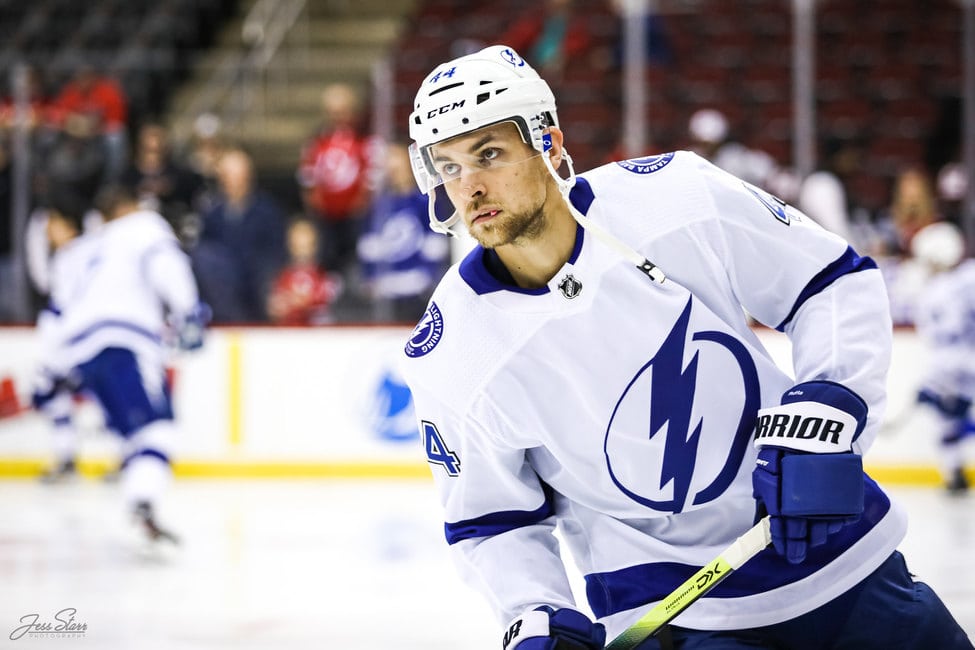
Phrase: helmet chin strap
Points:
(565, 186)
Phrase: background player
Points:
(945, 321)
(51, 394)
(136, 283)
(556, 386)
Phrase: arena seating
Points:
(887, 74)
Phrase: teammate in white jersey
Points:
(51, 393)
(556, 385)
(134, 287)
(945, 320)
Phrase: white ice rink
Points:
(291, 565)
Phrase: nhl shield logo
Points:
(570, 287)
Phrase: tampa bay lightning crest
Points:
(512, 57)
(427, 333)
(648, 164)
(662, 404)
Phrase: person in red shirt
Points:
(303, 293)
(100, 97)
(335, 174)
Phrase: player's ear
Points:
(555, 152)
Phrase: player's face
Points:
(496, 182)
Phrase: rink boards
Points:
(330, 402)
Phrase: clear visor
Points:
(430, 174)
(434, 176)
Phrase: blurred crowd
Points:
(354, 245)
(356, 248)
(918, 197)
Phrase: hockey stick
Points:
(750, 544)
(756, 539)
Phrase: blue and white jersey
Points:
(945, 320)
(623, 410)
(65, 273)
(132, 275)
(401, 257)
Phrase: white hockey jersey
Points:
(133, 274)
(623, 410)
(65, 275)
(945, 320)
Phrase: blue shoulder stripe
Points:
(495, 523)
(848, 262)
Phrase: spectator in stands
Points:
(77, 162)
(549, 38)
(241, 243)
(710, 137)
(161, 182)
(913, 206)
(100, 98)
(824, 194)
(402, 259)
(335, 176)
(303, 292)
(206, 147)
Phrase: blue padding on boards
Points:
(822, 485)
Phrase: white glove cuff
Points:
(806, 426)
(528, 625)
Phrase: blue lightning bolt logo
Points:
(671, 399)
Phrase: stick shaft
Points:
(740, 551)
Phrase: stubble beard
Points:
(511, 228)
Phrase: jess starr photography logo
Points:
(63, 625)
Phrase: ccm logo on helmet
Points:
(446, 108)
(782, 425)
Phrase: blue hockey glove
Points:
(806, 477)
(191, 327)
(554, 629)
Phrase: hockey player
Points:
(134, 284)
(558, 386)
(945, 320)
(52, 395)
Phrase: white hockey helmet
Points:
(487, 87)
(939, 245)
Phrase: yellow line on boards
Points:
(908, 474)
(902, 475)
(235, 400)
(97, 467)
(333, 470)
